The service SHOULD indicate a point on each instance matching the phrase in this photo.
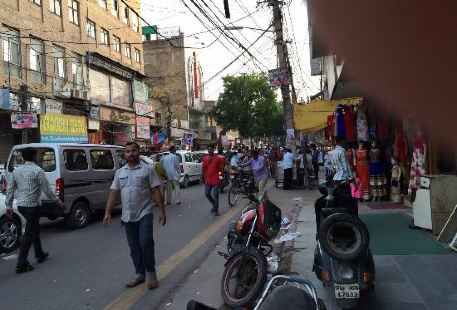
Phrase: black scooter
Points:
(342, 258)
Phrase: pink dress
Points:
(418, 163)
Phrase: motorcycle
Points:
(281, 292)
(245, 271)
(342, 260)
(243, 183)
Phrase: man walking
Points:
(288, 164)
(138, 185)
(273, 161)
(170, 163)
(211, 167)
(258, 164)
(315, 160)
(26, 185)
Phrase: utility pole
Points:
(281, 50)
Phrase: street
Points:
(88, 268)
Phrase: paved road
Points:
(88, 268)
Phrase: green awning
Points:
(149, 30)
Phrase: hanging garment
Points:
(383, 129)
(401, 147)
(362, 171)
(362, 126)
(330, 126)
(356, 189)
(395, 192)
(372, 132)
(418, 163)
(340, 129)
(349, 124)
(378, 180)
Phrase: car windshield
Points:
(46, 159)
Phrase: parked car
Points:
(11, 229)
(80, 174)
(190, 165)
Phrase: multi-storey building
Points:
(71, 57)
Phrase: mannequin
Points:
(378, 181)
(395, 195)
(418, 162)
(362, 170)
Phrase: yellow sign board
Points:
(63, 128)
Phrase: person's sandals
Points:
(152, 283)
(134, 282)
(24, 269)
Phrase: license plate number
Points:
(347, 291)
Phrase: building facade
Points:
(68, 57)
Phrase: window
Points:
(137, 55)
(37, 60)
(103, 4)
(135, 22)
(73, 11)
(38, 2)
(117, 44)
(46, 159)
(104, 36)
(90, 29)
(102, 160)
(59, 62)
(77, 70)
(11, 51)
(56, 6)
(115, 8)
(75, 160)
(124, 13)
(121, 158)
(188, 157)
(128, 52)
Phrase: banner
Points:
(187, 138)
(24, 120)
(143, 128)
(53, 106)
(60, 128)
(143, 109)
(278, 77)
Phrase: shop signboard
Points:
(117, 116)
(140, 92)
(94, 125)
(60, 128)
(143, 109)
(24, 120)
(143, 128)
(278, 77)
(94, 112)
(187, 138)
(53, 106)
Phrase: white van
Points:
(80, 174)
(190, 165)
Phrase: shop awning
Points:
(313, 116)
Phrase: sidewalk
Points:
(402, 281)
(204, 283)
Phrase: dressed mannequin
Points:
(418, 163)
(395, 195)
(378, 181)
(362, 126)
(362, 170)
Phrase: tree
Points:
(248, 104)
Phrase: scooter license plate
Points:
(347, 291)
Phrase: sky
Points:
(215, 54)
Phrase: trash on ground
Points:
(285, 221)
(273, 262)
(286, 227)
(88, 290)
(287, 237)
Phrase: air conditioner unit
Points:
(81, 94)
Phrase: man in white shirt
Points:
(170, 163)
(288, 164)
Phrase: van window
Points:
(121, 158)
(188, 157)
(46, 159)
(101, 159)
(75, 160)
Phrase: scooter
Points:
(342, 258)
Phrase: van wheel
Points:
(185, 182)
(10, 232)
(79, 215)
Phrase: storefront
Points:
(116, 126)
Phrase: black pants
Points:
(288, 176)
(316, 171)
(300, 177)
(31, 235)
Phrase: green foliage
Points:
(248, 104)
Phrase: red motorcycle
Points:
(245, 271)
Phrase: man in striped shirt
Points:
(338, 162)
(26, 185)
